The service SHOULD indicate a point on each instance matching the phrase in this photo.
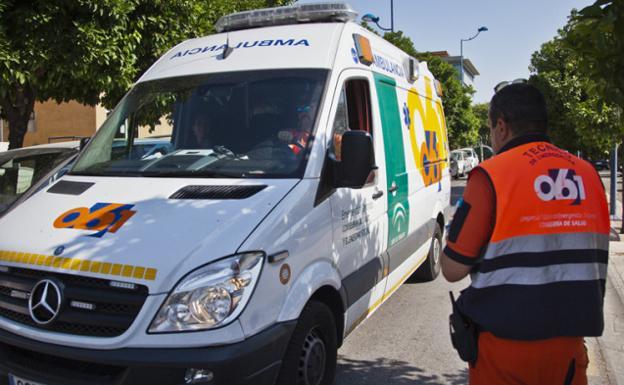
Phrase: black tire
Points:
(430, 269)
(310, 357)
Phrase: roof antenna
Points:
(227, 50)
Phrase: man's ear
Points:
(504, 130)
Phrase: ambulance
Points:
(305, 178)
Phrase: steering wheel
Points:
(272, 150)
(222, 150)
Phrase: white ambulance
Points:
(305, 178)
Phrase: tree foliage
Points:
(90, 51)
(481, 111)
(462, 123)
(579, 118)
(596, 36)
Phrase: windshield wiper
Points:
(191, 174)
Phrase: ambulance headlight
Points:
(210, 296)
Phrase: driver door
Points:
(359, 215)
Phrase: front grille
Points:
(114, 308)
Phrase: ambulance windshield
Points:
(227, 125)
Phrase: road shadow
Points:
(392, 372)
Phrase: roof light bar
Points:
(302, 13)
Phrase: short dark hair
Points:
(522, 106)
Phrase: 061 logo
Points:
(101, 217)
(560, 184)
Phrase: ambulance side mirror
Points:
(357, 160)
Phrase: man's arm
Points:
(453, 271)
(471, 228)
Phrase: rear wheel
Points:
(430, 269)
(310, 357)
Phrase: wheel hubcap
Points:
(312, 361)
(436, 250)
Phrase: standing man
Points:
(533, 231)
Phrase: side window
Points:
(352, 113)
(341, 125)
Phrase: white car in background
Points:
(472, 160)
(458, 163)
(24, 171)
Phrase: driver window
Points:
(353, 112)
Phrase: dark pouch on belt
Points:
(464, 334)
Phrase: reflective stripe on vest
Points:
(550, 242)
(542, 274)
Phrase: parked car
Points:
(601, 164)
(472, 160)
(488, 152)
(26, 170)
(458, 163)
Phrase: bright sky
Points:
(516, 30)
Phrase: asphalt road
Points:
(407, 340)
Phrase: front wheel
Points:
(310, 357)
(430, 269)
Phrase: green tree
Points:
(481, 111)
(596, 36)
(461, 121)
(90, 51)
(576, 112)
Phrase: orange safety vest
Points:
(543, 272)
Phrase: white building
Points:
(470, 71)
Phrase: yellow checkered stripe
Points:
(75, 264)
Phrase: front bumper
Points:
(254, 361)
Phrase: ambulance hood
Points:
(136, 229)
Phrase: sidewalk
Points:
(612, 341)
(611, 344)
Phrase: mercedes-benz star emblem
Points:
(45, 301)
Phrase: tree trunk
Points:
(17, 107)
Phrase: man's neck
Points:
(524, 139)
